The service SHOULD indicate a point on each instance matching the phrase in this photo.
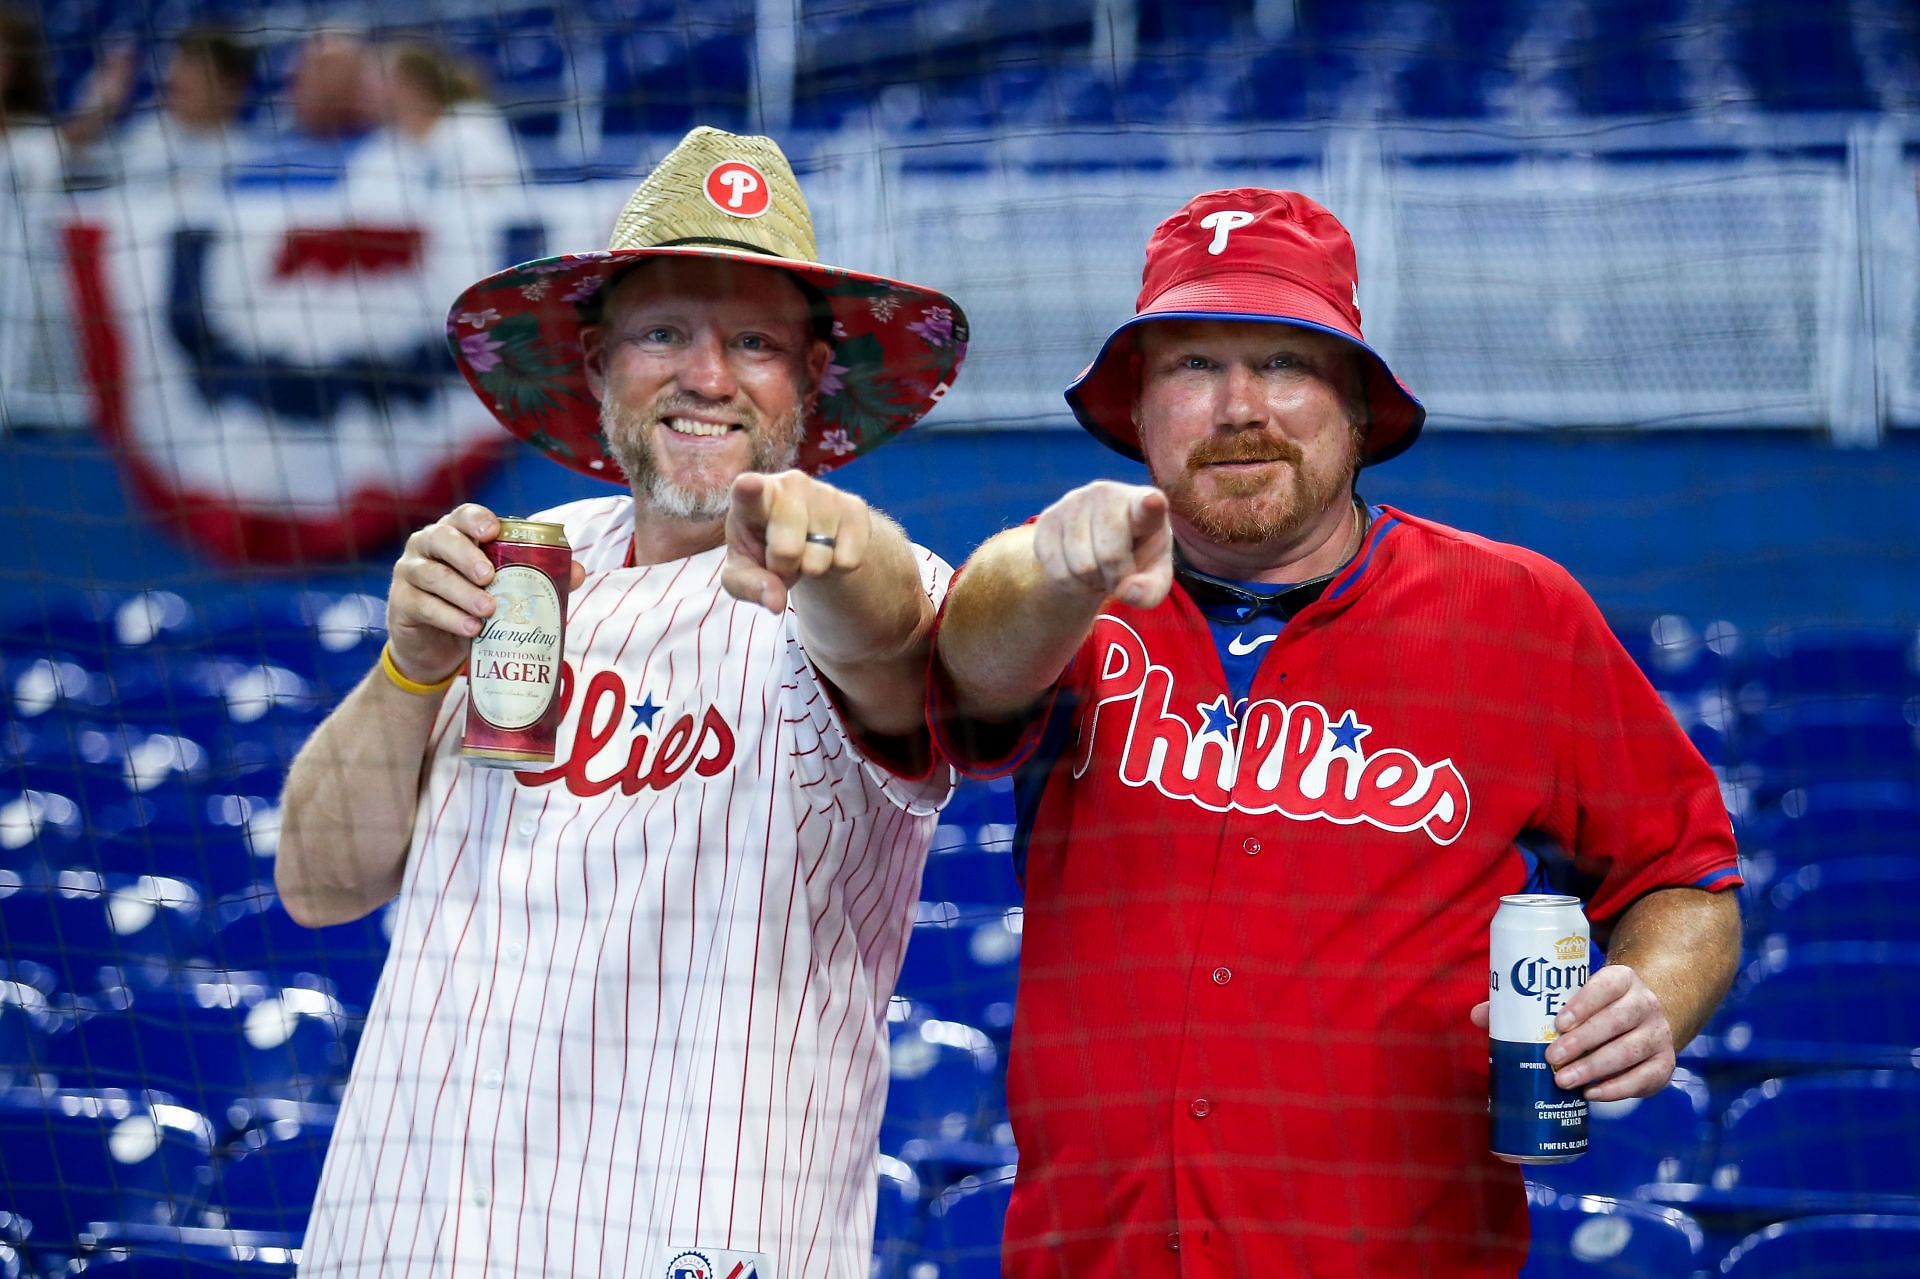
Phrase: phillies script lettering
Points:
(652, 760)
(1277, 757)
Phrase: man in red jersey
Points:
(1278, 754)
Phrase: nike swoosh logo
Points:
(1240, 645)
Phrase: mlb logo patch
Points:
(737, 188)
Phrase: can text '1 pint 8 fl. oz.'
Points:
(513, 673)
(1540, 955)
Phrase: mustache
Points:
(1243, 448)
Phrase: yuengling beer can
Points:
(513, 673)
(1540, 956)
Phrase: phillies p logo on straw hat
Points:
(1247, 254)
(897, 347)
(738, 188)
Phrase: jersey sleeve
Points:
(1633, 801)
(836, 764)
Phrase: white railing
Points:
(1760, 275)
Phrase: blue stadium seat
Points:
(215, 1042)
(1812, 663)
(1680, 655)
(189, 830)
(525, 57)
(83, 930)
(1801, 57)
(977, 803)
(1832, 1142)
(269, 1176)
(1866, 739)
(70, 1159)
(256, 933)
(1831, 820)
(1575, 1236)
(1623, 62)
(665, 79)
(95, 625)
(943, 1082)
(1845, 899)
(1821, 1004)
(1461, 63)
(186, 1258)
(964, 960)
(1636, 1142)
(896, 1222)
(959, 870)
(26, 1022)
(964, 1225)
(1858, 1246)
(40, 831)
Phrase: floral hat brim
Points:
(516, 337)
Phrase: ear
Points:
(819, 355)
(593, 352)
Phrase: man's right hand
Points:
(1106, 538)
(438, 599)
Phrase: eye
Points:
(1195, 362)
(658, 335)
(1284, 360)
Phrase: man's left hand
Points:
(1614, 1039)
(787, 527)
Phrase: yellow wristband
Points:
(402, 682)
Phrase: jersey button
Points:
(1251, 844)
(491, 1079)
(528, 825)
(1200, 1108)
(513, 950)
(1221, 976)
(1173, 1242)
(480, 1196)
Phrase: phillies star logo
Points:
(1266, 756)
(627, 738)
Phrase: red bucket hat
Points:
(1272, 257)
(897, 347)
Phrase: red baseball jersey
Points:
(1254, 931)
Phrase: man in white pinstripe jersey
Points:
(633, 1019)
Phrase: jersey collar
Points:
(1251, 599)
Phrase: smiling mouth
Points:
(694, 428)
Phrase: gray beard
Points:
(774, 449)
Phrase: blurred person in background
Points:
(438, 129)
(29, 144)
(32, 182)
(323, 112)
(194, 131)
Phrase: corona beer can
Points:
(513, 672)
(1539, 957)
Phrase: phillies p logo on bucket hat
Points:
(1247, 254)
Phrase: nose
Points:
(1241, 404)
(706, 371)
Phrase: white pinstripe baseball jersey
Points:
(635, 1003)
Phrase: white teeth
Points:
(687, 426)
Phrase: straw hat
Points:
(516, 335)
